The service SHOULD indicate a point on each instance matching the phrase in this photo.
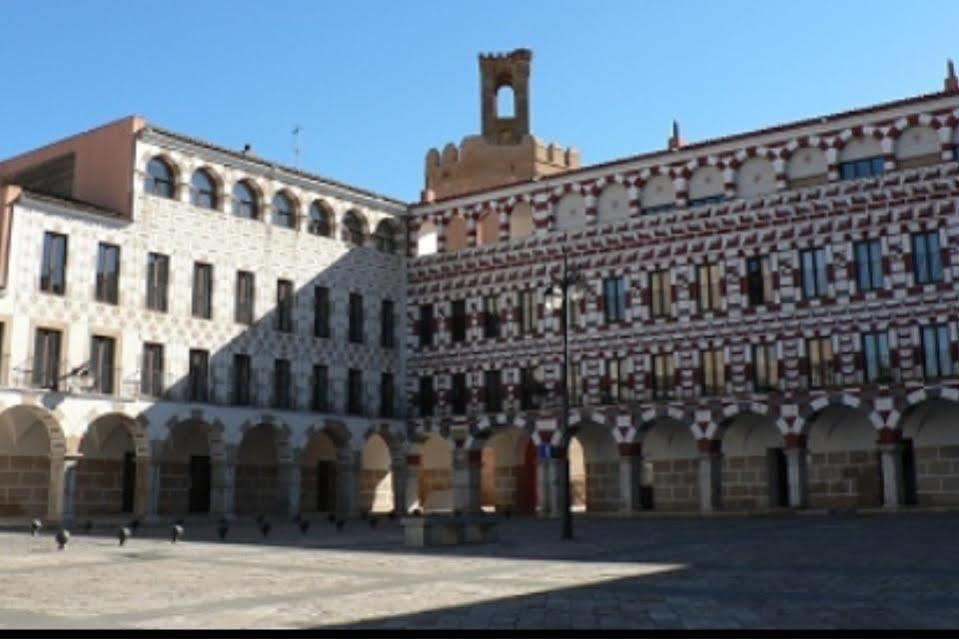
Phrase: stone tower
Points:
(506, 151)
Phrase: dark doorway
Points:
(129, 482)
(527, 493)
(325, 486)
(778, 478)
(910, 496)
(200, 484)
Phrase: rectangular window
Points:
(199, 376)
(151, 374)
(707, 287)
(821, 365)
(354, 392)
(386, 395)
(617, 381)
(46, 359)
(284, 306)
(108, 273)
(202, 290)
(490, 317)
(426, 399)
(458, 324)
(426, 325)
(527, 389)
(813, 265)
(321, 312)
(765, 367)
(663, 373)
(574, 387)
(714, 372)
(282, 381)
(356, 318)
(926, 257)
(494, 396)
(660, 293)
(868, 256)
(319, 397)
(709, 199)
(53, 268)
(102, 351)
(759, 280)
(875, 355)
(158, 276)
(387, 324)
(460, 397)
(936, 358)
(865, 167)
(614, 299)
(245, 296)
(526, 303)
(241, 379)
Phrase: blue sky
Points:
(375, 84)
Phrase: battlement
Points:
(523, 54)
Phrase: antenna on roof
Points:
(296, 145)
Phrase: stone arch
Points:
(435, 477)
(376, 474)
(320, 219)
(263, 447)
(754, 473)
(658, 192)
(705, 182)
(354, 227)
(487, 228)
(670, 460)
(842, 457)
(456, 235)
(185, 458)
(917, 146)
(206, 187)
(427, 239)
(929, 429)
(613, 204)
(506, 479)
(247, 198)
(756, 176)
(162, 176)
(386, 236)
(31, 438)
(593, 466)
(106, 473)
(860, 147)
(807, 166)
(286, 207)
(319, 463)
(521, 221)
(570, 212)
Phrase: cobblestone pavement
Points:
(791, 571)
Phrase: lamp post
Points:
(570, 286)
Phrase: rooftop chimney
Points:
(952, 82)
(675, 142)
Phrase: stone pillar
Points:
(893, 487)
(56, 490)
(347, 482)
(153, 508)
(143, 488)
(398, 475)
(710, 481)
(411, 494)
(467, 465)
(545, 487)
(797, 473)
(630, 477)
(223, 489)
(288, 485)
(69, 488)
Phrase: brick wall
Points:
(937, 475)
(432, 482)
(99, 486)
(256, 490)
(309, 487)
(174, 488)
(844, 479)
(745, 482)
(376, 490)
(675, 484)
(602, 486)
(24, 485)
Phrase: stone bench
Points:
(447, 530)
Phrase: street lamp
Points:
(571, 286)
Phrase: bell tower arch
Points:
(499, 71)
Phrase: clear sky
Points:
(374, 85)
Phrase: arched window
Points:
(320, 222)
(353, 229)
(385, 237)
(245, 202)
(203, 190)
(284, 211)
(159, 180)
(505, 102)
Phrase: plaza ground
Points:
(786, 571)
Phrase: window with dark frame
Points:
(714, 371)
(936, 353)
(759, 280)
(151, 374)
(356, 318)
(284, 306)
(107, 289)
(821, 364)
(46, 359)
(864, 167)
(574, 386)
(321, 311)
(617, 381)
(242, 372)
(526, 303)
(426, 325)
(53, 267)
(812, 263)
(425, 397)
(926, 257)
(245, 201)
(528, 398)
(158, 275)
(663, 376)
(319, 397)
(660, 289)
(102, 371)
(868, 263)
(284, 211)
(202, 290)
(387, 324)
(494, 394)
(282, 384)
(354, 392)
(245, 300)
(491, 321)
(614, 299)
(319, 221)
(459, 396)
(709, 199)
(386, 395)
(198, 379)
(458, 322)
(765, 367)
(877, 365)
(159, 178)
(203, 190)
(708, 290)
